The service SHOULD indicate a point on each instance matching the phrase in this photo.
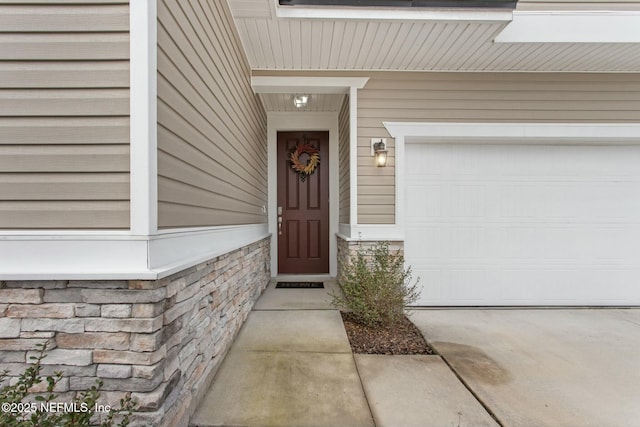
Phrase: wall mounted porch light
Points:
(301, 100)
(379, 151)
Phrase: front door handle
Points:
(280, 226)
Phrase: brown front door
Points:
(303, 234)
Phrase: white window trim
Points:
(494, 133)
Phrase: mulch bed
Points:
(402, 338)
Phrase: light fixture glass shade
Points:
(300, 100)
(380, 151)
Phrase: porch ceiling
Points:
(283, 102)
(430, 41)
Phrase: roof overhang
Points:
(572, 27)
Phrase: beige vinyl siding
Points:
(64, 114)
(212, 167)
(477, 97)
(343, 163)
(578, 5)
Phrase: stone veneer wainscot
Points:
(162, 340)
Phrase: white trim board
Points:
(293, 84)
(372, 232)
(143, 141)
(572, 27)
(546, 133)
(102, 256)
(277, 122)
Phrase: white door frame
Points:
(279, 122)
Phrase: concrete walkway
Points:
(292, 366)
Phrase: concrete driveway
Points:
(547, 367)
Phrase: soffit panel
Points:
(273, 43)
(283, 102)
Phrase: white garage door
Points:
(523, 224)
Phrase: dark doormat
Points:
(300, 285)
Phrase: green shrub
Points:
(376, 286)
(21, 407)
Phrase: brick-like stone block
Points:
(178, 310)
(13, 356)
(147, 342)
(87, 310)
(9, 328)
(128, 357)
(61, 387)
(116, 384)
(145, 284)
(123, 296)
(22, 344)
(188, 292)
(172, 363)
(59, 325)
(70, 370)
(147, 310)
(99, 284)
(37, 284)
(44, 334)
(62, 295)
(127, 325)
(152, 401)
(91, 340)
(148, 371)
(53, 311)
(176, 286)
(21, 296)
(187, 353)
(116, 310)
(114, 371)
(61, 356)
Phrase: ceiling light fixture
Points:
(301, 100)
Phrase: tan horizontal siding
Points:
(64, 102)
(58, 74)
(64, 214)
(211, 127)
(477, 97)
(198, 216)
(64, 114)
(578, 5)
(67, 18)
(64, 130)
(64, 186)
(56, 47)
(343, 162)
(64, 158)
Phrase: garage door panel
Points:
(524, 225)
(525, 286)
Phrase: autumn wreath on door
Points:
(304, 169)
